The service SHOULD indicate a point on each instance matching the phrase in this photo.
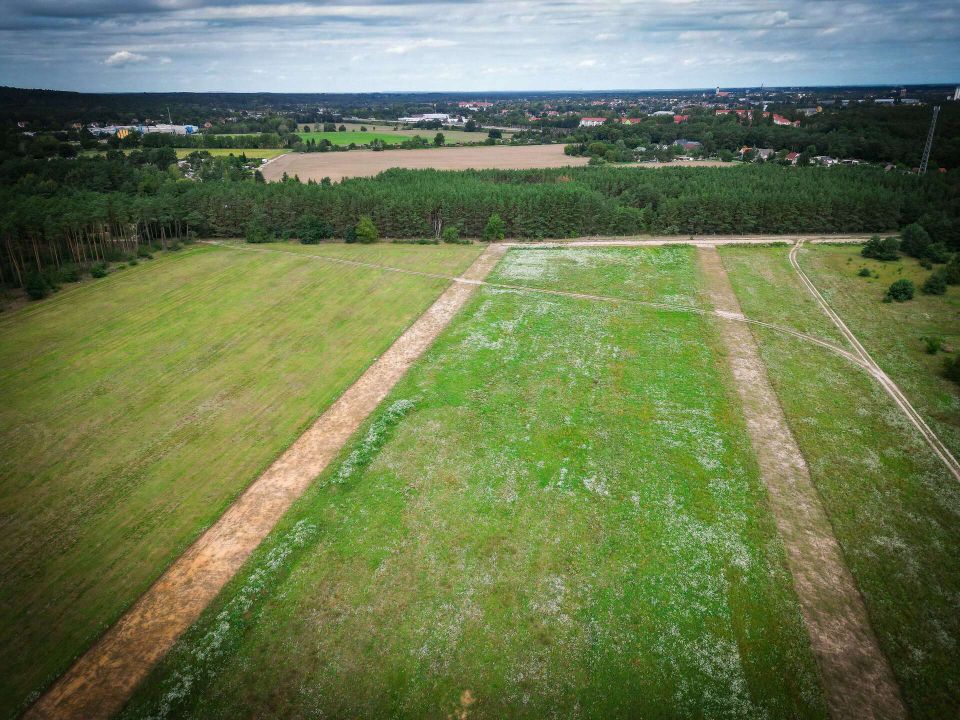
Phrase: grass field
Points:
(555, 514)
(249, 152)
(893, 506)
(385, 128)
(361, 138)
(138, 406)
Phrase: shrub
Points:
(99, 270)
(937, 252)
(311, 230)
(174, 246)
(350, 234)
(915, 240)
(366, 231)
(495, 228)
(864, 272)
(70, 274)
(952, 271)
(951, 368)
(885, 249)
(451, 234)
(934, 344)
(900, 291)
(144, 252)
(256, 232)
(36, 286)
(936, 284)
(133, 262)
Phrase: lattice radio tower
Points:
(926, 148)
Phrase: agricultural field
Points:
(138, 406)
(894, 508)
(338, 165)
(557, 511)
(265, 153)
(396, 133)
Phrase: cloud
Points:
(589, 63)
(404, 48)
(124, 57)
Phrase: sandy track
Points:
(857, 678)
(891, 388)
(101, 680)
(366, 163)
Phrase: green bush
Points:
(144, 252)
(99, 270)
(885, 249)
(864, 272)
(451, 234)
(900, 291)
(951, 271)
(256, 232)
(915, 240)
(366, 231)
(350, 234)
(936, 284)
(951, 368)
(311, 230)
(36, 286)
(937, 252)
(70, 274)
(133, 262)
(934, 344)
(495, 228)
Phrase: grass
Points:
(223, 152)
(893, 332)
(360, 138)
(894, 508)
(664, 274)
(387, 128)
(556, 513)
(137, 407)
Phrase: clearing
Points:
(366, 163)
(136, 408)
(223, 152)
(556, 512)
(388, 129)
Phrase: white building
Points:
(592, 122)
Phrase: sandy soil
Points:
(365, 163)
(857, 678)
(102, 679)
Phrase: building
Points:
(662, 113)
(792, 157)
(592, 121)
(474, 106)
(442, 118)
(808, 111)
(781, 120)
(883, 101)
(688, 145)
(677, 119)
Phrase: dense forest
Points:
(67, 212)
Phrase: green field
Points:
(388, 128)
(138, 406)
(222, 152)
(556, 513)
(360, 138)
(893, 506)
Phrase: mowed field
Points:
(340, 165)
(389, 130)
(556, 514)
(222, 152)
(137, 407)
(894, 507)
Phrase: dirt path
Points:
(857, 678)
(101, 680)
(895, 393)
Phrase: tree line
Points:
(77, 212)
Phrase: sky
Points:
(473, 45)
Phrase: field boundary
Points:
(101, 681)
(857, 678)
(891, 388)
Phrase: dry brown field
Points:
(366, 163)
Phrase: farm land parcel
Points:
(136, 408)
(556, 511)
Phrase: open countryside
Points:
(374, 384)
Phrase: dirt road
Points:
(857, 678)
(102, 680)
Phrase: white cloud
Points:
(605, 36)
(589, 63)
(124, 57)
(404, 48)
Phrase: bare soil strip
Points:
(895, 393)
(857, 678)
(102, 679)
